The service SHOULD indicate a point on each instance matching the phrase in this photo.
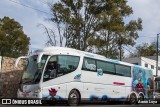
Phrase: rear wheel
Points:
(141, 97)
(74, 98)
(133, 99)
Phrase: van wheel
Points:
(74, 98)
(133, 99)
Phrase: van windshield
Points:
(33, 70)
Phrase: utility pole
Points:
(120, 47)
(157, 56)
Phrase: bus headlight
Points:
(37, 91)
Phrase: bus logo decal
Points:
(99, 72)
(52, 92)
(77, 77)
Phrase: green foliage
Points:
(13, 41)
(96, 25)
(77, 20)
(145, 49)
(111, 31)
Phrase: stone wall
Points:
(10, 77)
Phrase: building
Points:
(149, 62)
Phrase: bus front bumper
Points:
(30, 94)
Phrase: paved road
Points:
(87, 105)
(155, 105)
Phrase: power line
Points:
(29, 7)
(128, 50)
(44, 2)
(140, 43)
(147, 36)
(133, 54)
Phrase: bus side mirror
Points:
(18, 59)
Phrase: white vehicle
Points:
(57, 73)
(157, 89)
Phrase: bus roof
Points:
(64, 49)
(83, 53)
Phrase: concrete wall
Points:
(0, 77)
(10, 77)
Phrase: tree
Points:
(51, 36)
(13, 42)
(145, 49)
(96, 25)
(77, 21)
(112, 30)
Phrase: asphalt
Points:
(87, 105)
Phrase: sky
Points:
(147, 10)
(29, 18)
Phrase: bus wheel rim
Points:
(73, 98)
(133, 99)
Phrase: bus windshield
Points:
(33, 70)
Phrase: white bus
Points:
(57, 73)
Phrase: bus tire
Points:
(133, 99)
(141, 97)
(73, 98)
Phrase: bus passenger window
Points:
(107, 67)
(123, 70)
(67, 64)
(89, 64)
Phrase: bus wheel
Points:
(141, 97)
(133, 99)
(74, 98)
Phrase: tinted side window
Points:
(106, 67)
(67, 64)
(123, 70)
(89, 64)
